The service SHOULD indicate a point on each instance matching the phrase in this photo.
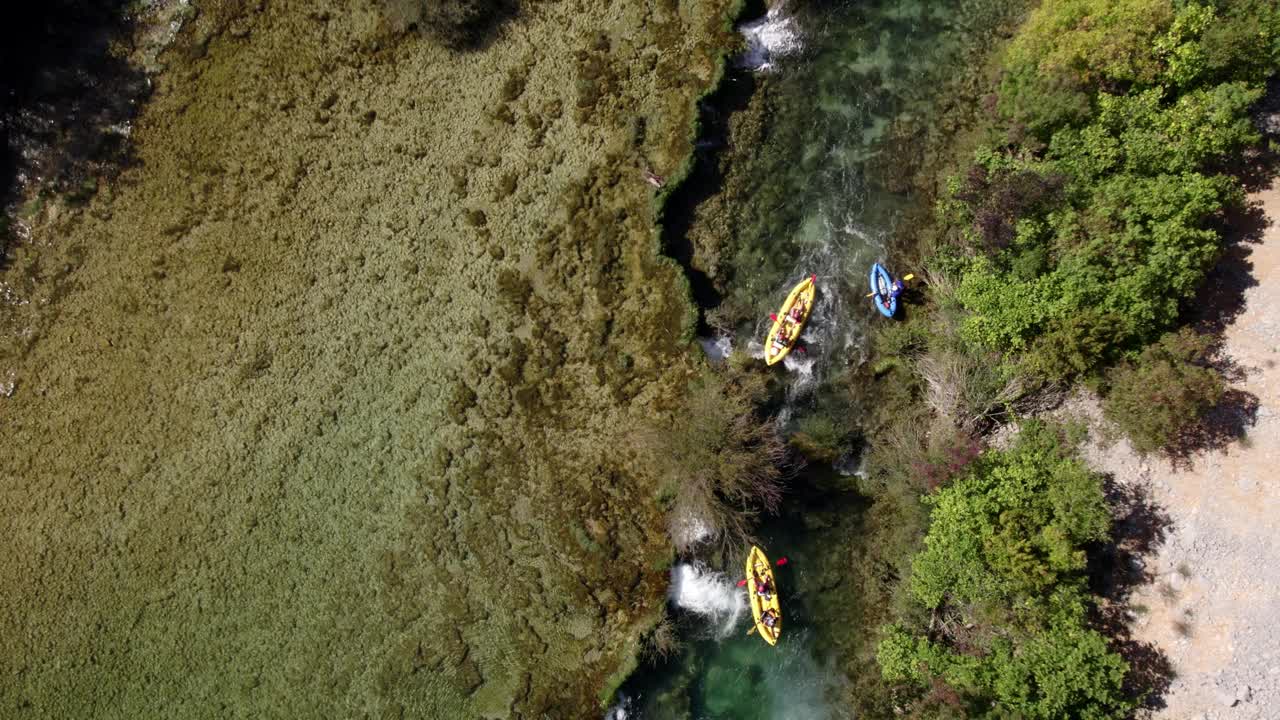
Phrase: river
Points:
(849, 86)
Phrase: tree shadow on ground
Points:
(1221, 425)
(1218, 305)
(1221, 300)
(1116, 570)
(1139, 528)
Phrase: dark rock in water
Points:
(66, 96)
(458, 24)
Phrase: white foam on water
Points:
(622, 710)
(770, 37)
(708, 593)
(800, 364)
(717, 348)
(826, 330)
(689, 530)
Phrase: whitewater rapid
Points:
(770, 37)
(710, 594)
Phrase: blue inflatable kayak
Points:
(882, 290)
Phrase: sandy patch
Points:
(1211, 604)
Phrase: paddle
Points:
(779, 562)
(905, 278)
(751, 630)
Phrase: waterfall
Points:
(622, 710)
(717, 348)
(773, 35)
(708, 593)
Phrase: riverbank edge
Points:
(739, 11)
(925, 182)
(1145, 685)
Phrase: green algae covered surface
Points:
(322, 408)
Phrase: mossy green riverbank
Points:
(324, 407)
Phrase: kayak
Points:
(881, 287)
(758, 567)
(775, 347)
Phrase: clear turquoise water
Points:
(825, 201)
(827, 195)
(726, 674)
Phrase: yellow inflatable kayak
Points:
(760, 577)
(790, 320)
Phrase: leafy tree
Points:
(1076, 241)
(1064, 670)
(1012, 528)
(1004, 553)
(1240, 43)
(997, 193)
(1124, 263)
(1094, 239)
(1071, 48)
(1142, 133)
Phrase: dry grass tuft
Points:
(722, 466)
(967, 391)
(662, 641)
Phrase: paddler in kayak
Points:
(764, 588)
(769, 618)
(797, 310)
(789, 321)
(898, 287)
(783, 338)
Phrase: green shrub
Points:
(1012, 528)
(1094, 232)
(1068, 49)
(1146, 134)
(1166, 390)
(1003, 567)
(819, 438)
(1124, 259)
(905, 339)
(1239, 40)
(1072, 242)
